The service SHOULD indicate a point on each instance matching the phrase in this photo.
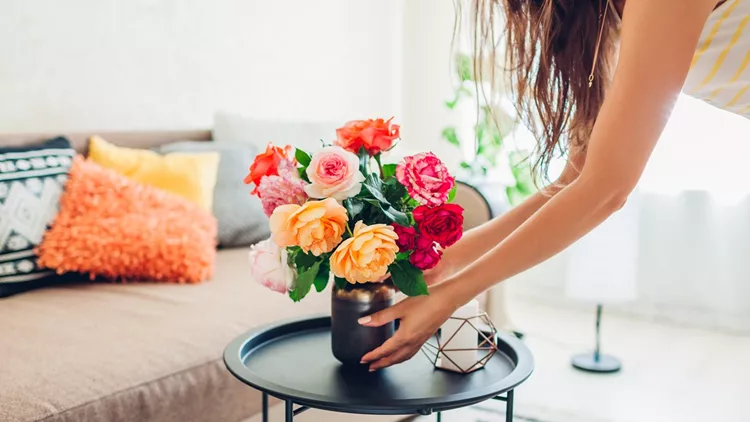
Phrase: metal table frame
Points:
(291, 412)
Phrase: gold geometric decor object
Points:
(437, 348)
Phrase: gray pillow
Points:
(240, 215)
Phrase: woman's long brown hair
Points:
(549, 52)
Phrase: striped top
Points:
(718, 73)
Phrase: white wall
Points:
(170, 64)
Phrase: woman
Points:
(560, 53)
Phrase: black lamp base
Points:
(603, 365)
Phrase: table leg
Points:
(439, 416)
(509, 407)
(264, 405)
(289, 411)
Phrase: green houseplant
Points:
(490, 129)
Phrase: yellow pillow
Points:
(190, 175)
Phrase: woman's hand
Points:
(421, 316)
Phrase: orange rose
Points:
(315, 226)
(375, 135)
(267, 164)
(366, 255)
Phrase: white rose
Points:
(269, 266)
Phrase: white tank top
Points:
(718, 73)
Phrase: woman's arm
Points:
(477, 241)
(657, 44)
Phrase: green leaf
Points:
(464, 67)
(376, 194)
(302, 157)
(465, 165)
(396, 216)
(354, 207)
(340, 282)
(449, 134)
(403, 256)
(303, 174)
(321, 279)
(452, 193)
(304, 261)
(389, 170)
(304, 282)
(408, 279)
(394, 191)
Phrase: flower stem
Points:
(380, 166)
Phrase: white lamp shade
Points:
(602, 265)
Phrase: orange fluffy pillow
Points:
(117, 228)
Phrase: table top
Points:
(293, 361)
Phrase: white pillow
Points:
(230, 127)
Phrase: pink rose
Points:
(426, 255)
(334, 173)
(426, 178)
(281, 190)
(407, 237)
(269, 266)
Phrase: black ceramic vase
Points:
(350, 340)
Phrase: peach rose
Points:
(315, 226)
(334, 173)
(375, 135)
(268, 162)
(366, 255)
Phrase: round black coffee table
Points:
(292, 361)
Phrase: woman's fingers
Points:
(403, 354)
(386, 349)
(381, 318)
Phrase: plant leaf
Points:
(340, 282)
(403, 256)
(452, 193)
(396, 216)
(449, 134)
(321, 279)
(354, 207)
(304, 282)
(302, 157)
(304, 261)
(408, 279)
(389, 170)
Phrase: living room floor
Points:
(670, 373)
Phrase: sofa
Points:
(93, 351)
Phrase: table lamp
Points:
(602, 270)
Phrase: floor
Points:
(670, 373)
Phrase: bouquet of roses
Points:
(340, 213)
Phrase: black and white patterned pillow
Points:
(31, 182)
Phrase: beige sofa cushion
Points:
(135, 352)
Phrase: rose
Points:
(334, 173)
(442, 224)
(269, 266)
(426, 178)
(315, 226)
(366, 255)
(426, 255)
(375, 135)
(275, 191)
(407, 237)
(267, 164)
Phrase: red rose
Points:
(407, 238)
(267, 164)
(442, 224)
(426, 255)
(375, 135)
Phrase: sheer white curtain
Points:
(690, 221)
